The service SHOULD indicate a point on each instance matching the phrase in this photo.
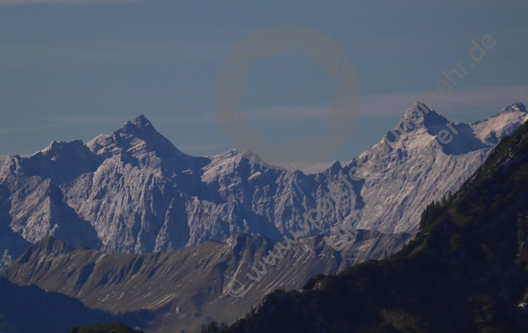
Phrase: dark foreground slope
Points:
(115, 327)
(466, 271)
(30, 309)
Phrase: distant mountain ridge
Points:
(132, 191)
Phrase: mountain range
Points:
(129, 223)
(133, 191)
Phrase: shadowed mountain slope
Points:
(188, 287)
(104, 328)
(30, 309)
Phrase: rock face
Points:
(188, 287)
(133, 192)
(12, 245)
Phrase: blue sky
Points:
(74, 69)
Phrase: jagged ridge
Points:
(133, 191)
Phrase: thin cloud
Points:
(279, 112)
(87, 120)
(27, 128)
(35, 55)
(72, 2)
(458, 100)
(202, 148)
(94, 120)
(208, 117)
(64, 121)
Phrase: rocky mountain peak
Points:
(418, 105)
(491, 130)
(137, 139)
(141, 121)
(430, 117)
(513, 108)
(418, 125)
(140, 127)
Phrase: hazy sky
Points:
(74, 69)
